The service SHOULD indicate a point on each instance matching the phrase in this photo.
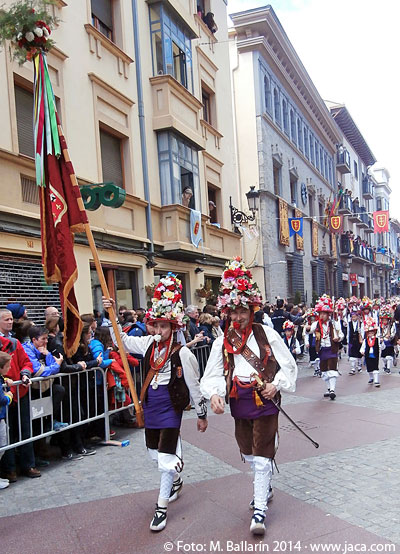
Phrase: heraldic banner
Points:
(336, 224)
(381, 221)
(315, 238)
(195, 228)
(299, 235)
(283, 223)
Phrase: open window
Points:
(111, 158)
(102, 17)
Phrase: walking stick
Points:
(261, 383)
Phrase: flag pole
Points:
(105, 291)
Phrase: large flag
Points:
(61, 208)
(381, 221)
(295, 226)
(336, 223)
(195, 228)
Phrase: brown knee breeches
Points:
(257, 436)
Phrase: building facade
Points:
(286, 141)
(143, 93)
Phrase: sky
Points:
(351, 50)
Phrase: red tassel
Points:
(234, 391)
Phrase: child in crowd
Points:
(309, 342)
(370, 349)
(387, 338)
(6, 397)
(354, 339)
(290, 340)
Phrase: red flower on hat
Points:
(157, 294)
(229, 274)
(238, 272)
(241, 284)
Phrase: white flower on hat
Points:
(38, 31)
(46, 32)
(19, 36)
(29, 36)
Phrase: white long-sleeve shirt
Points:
(325, 337)
(190, 366)
(213, 380)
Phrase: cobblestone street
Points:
(347, 490)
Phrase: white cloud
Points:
(351, 49)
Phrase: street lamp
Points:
(237, 216)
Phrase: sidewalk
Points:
(348, 490)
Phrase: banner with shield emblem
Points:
(336, 224)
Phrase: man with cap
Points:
(18, 311)
(328, 333)
(247, 349)
(171, 374)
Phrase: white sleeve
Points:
(339, 329)
(213, 380)
(306, 338)
(362, 348)
(136, 345)
(191, 374)
(313, 327)
(297, 347)
(285, 379)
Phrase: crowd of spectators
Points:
(75, 384)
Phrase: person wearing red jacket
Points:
(21, 369)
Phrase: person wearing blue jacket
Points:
(6, 397)
(44, 365)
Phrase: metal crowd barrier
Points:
(83, 402)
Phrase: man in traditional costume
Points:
(354, 339)
(171, 377)
(370, 348)
(328, 334)
(247, 349)
(387, 337)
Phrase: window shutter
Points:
(24, 108)
(102, 9)
(111, 159)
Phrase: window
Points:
(277, 107)
(325, 165)
(213, 203)
(171, 46)
(321, 211)
(24, 110)
(355, 170)
(277, 176)
(378, 204)
(102, 17)
(285, 116)
(316, 155)
(179, 168)
(312, 157)
(299, 135)
(111, 158)
(321, 161)
(293, 190)
(267, 95)
(330, 172)
(205, 97)
(311, 205)
(306, 150)
(30, 190)
(122, 283)
(292, 126)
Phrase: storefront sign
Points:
(353, 279)
(345, 276)
(361, 279)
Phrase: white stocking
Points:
(376, 376)
(332, 383)
(262, 479)
(167, 479)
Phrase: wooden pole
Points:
(113, 318)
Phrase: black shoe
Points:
(370, 382)
(159, 520)
(332, 395)
(86, 451)
(176, 489)
(327, 394)
(257, 526)
(69, 456)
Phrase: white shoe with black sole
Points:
(159, 520)
(176, 490)
(257, 526)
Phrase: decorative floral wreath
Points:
(370, 324)
(27, 24)
(386, 311)
(288, 325)
(237, 287)
(324, 304)
(166, 303)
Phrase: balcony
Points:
(345, 247)
(370, 228)
(354, 217)
(343, 161)
(172, 231)
(383, 259)
(364, 218)
(174, 107)
(345, 204)
(367, 188)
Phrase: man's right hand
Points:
(108, 303)
(217, 404)
(59, 360)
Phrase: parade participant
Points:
(370, 349)
(366, 306)
(244, 350)
(290, 339)
(375, 310)
(328, 336)
(354, 339)
(340, 315)
(171, 376)
(309, 342)
(387, 337)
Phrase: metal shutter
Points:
(339, 274)
(298, 274)
(22, 280)
(102, 9)
(111, 161)
(24, 108)
(321, 277)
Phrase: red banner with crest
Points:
(336, 224)
(381, 221)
